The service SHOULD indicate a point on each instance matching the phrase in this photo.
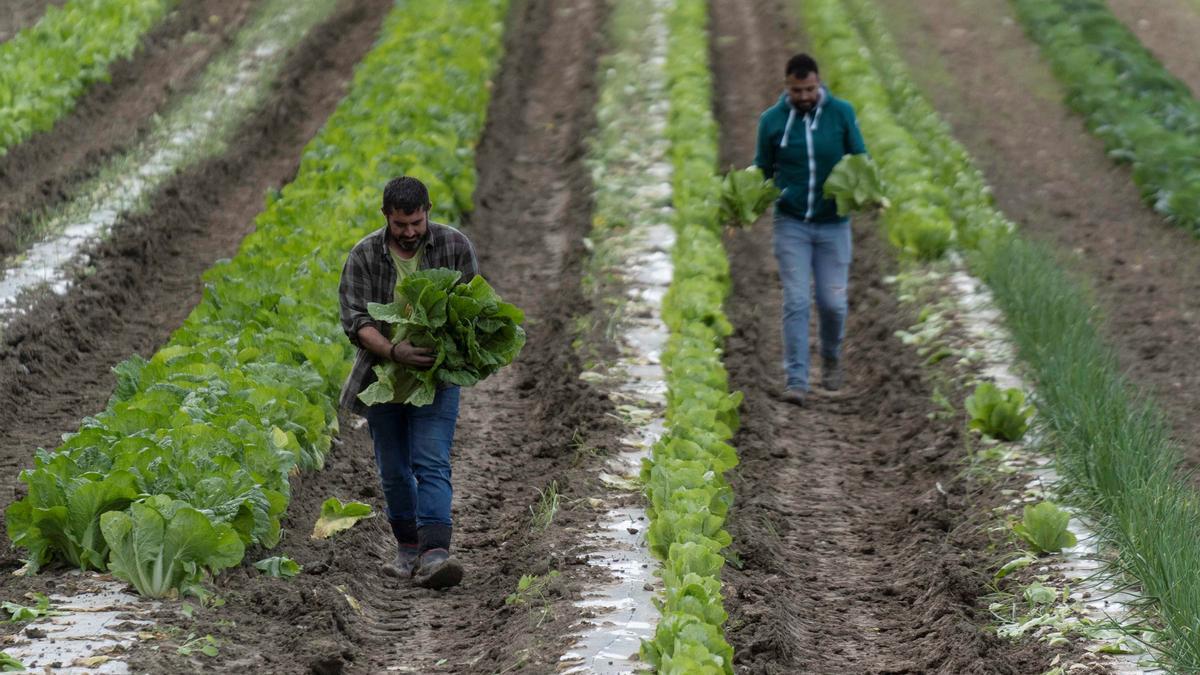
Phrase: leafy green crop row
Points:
(688, 494)
(935, 203)
(210, 428)
(44, 68)
(1110, 441)
(1142, 113)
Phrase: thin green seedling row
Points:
(190, 462)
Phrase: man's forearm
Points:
(374, 341)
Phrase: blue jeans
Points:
(412, 451)
(812, 251)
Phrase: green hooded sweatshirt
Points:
(800, 151)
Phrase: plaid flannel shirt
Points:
(370, 276)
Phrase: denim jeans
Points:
(412, 451)
(809, 252)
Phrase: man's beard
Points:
(408, 245)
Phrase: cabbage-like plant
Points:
(1044, 528)
(1002, 415)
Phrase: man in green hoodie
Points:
(800, 139)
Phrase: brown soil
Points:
(518, 432)
(861, 546)
(1168, 28)
(1054, 179)
(18, 15)
(111, 116)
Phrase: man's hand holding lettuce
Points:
(470, 332)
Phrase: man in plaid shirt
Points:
(412, 444)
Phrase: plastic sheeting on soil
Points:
(87, 630)
(634, 172)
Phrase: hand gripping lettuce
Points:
(470, 331)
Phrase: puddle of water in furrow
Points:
(1092, 591)
(636, 167)
(197, 128)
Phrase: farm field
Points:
(873, 529)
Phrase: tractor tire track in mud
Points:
(1053, 178)
(55, 361)
(111, 116)
(860, 545)
(517, 432)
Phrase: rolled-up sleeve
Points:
(354, 292)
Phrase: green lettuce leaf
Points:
(856, 185)
(337, 516)
(1044, 527)
(280, 567)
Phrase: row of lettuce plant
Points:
(44, 68)
(1110, 441)
(190, 462)
(688, 495)
(1144, 115)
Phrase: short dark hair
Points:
(801, 65)
(405, 194)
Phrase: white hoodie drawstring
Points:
(788, 127)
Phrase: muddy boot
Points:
(406, 560)
(832, 376)
(435, 568)
(407, 549)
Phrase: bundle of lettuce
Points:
(469, 330)
(745, 195)
(856, 185)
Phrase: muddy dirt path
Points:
(989, 82)
(518, 432)
(112, 116)
(54, 363)
(1168, 28)
(17, 15)
(852, 560)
